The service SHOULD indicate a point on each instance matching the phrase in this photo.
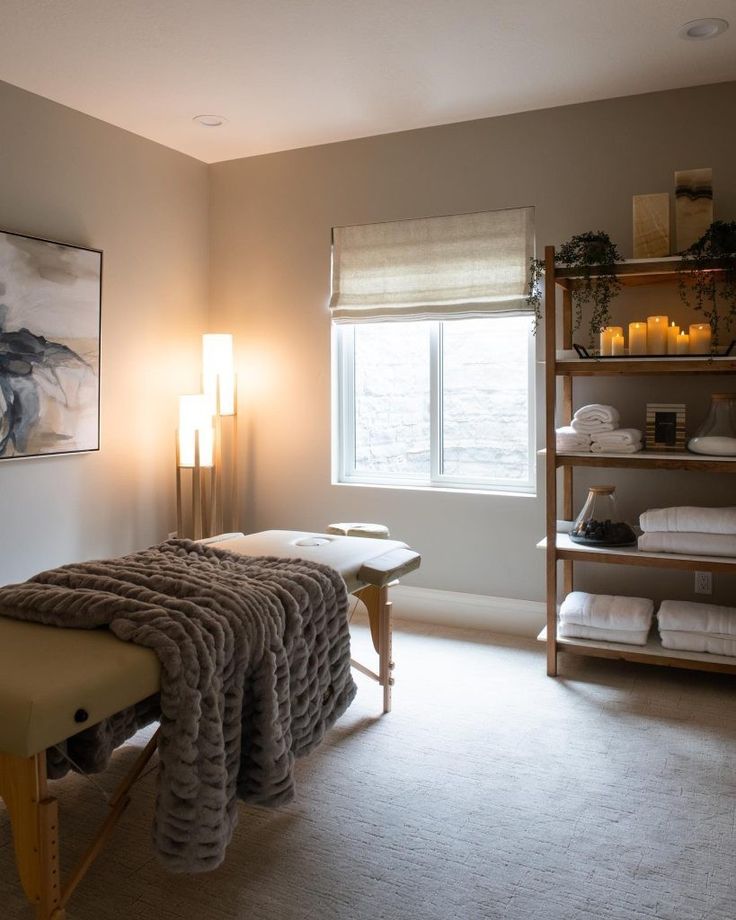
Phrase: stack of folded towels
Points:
(595, 428)
(694, 627)
(693, 531)
(606, 617)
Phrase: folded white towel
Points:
(592, 426)
(600, 447)
(697, 642)
(698, 618)
(692, 520)
(567, 438)
(626, 636)
(619, 436)
(607, 611)
(693, 544)
(597, 412)
(595, 418)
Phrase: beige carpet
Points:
(490, 792)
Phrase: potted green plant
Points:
(582, 253)
(713, 293)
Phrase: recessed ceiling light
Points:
(210, 121)
(701, 29)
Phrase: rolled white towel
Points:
(688, 519)
(595, 417)
(592, 426)
(597, 412)
(626, 636)
(691, 544)
(600, 447)
(567, 438)
(607, 611)
(697, 618)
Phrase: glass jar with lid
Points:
(717, 434)
(598, 523)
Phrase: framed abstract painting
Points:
(50, 303)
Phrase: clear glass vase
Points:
(598, 524)
(717, 434)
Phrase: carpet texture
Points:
(491, 792)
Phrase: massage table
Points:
(55, 682)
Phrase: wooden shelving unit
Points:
(559, 548)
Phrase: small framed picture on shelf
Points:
(665, 429)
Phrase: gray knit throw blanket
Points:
(255, 666)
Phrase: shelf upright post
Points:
(550, 379)
(567, 472)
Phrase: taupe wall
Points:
(270, 254)
(68, 177)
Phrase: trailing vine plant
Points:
(534, 295)
(582, 253)
(711, 293)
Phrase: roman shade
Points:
(457, 267)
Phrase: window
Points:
(446, 404)
(434, 351)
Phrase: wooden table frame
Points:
(34, 812)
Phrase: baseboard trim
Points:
(468, 611)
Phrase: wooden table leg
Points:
(379, 616)
(34, 819)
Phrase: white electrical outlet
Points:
(703, 583)
(173, 535)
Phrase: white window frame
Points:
(344, 423)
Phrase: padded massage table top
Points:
(50, 675)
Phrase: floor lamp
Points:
(219, 384)
(195, 468)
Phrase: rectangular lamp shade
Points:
(218, 373)
(195, 418)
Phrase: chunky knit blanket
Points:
(255, 666)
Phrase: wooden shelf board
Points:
(593, 367)
(634, 271)
(647, 459)
(651, 653)
(630, 555)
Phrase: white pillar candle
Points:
(700, 334)
(637, 338)
(617, 344)
(657, 335)
(673, 331)
(683, 343)
(195, 421)
(606, 339)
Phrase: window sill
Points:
(445, 490)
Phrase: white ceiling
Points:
(292, 73)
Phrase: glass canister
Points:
(717, 434)
(598, 524)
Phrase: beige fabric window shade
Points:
(458, 267)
